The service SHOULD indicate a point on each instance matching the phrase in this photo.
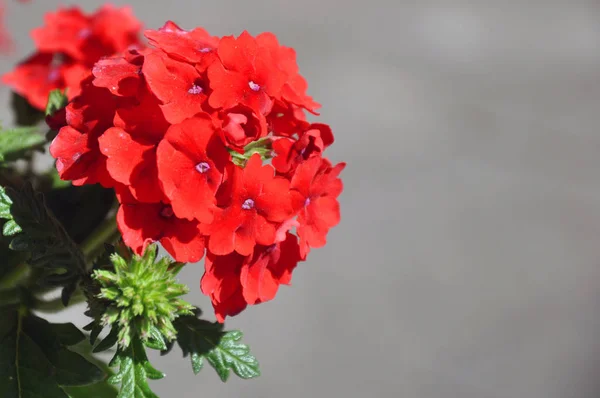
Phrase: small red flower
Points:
(221, 283)
(233, 281)
(41, 73)
(241, 126)
(67, 47)
(195, 46)
(132, 162)
(268, 268)
(144, 223)
(286, 119)
(191, 163)
(290, 153)
(78, 158)
(319, 186)
(87, 38)
(247, 74)
(294, 89)
(177, 84)
(255, 203)
(75, 148)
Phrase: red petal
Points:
(123, 152)
(191, 161)
(116, 74)
(176, 84)
(182, 239)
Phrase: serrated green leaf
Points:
(51, 249)
(155, 339)
(33, 361)
(18, 142)
(197, 362)
(223, 350)
(134, 370)
(56, 101)
(11, 228)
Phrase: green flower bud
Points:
(142, 295)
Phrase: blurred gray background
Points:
(467, 263)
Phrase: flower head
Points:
(67, 47)
(206, 144)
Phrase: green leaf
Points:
(109, 341)
(56, 101)
(67, 333)
(18, 142)
(155, 339)
(33, 361)
(202, 339)
(51, 249)
(11, 228)
(134, 370)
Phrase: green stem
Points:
(106, 232)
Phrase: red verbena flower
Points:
(256, 201)
(184, 131)
(144, 223)
(234, 281)
(67, 47)
(319, 186)
(247, 74)
(191, 163)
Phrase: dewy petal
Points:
(117, 75)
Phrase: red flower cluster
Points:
(183, 132)
(67, 48)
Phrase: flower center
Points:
(306, 202)
(205, 50)
(84, 33)
(195, 89)
(253, 86)
(167, 212)
(248, 204)
(202, 167)
(54, 75)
